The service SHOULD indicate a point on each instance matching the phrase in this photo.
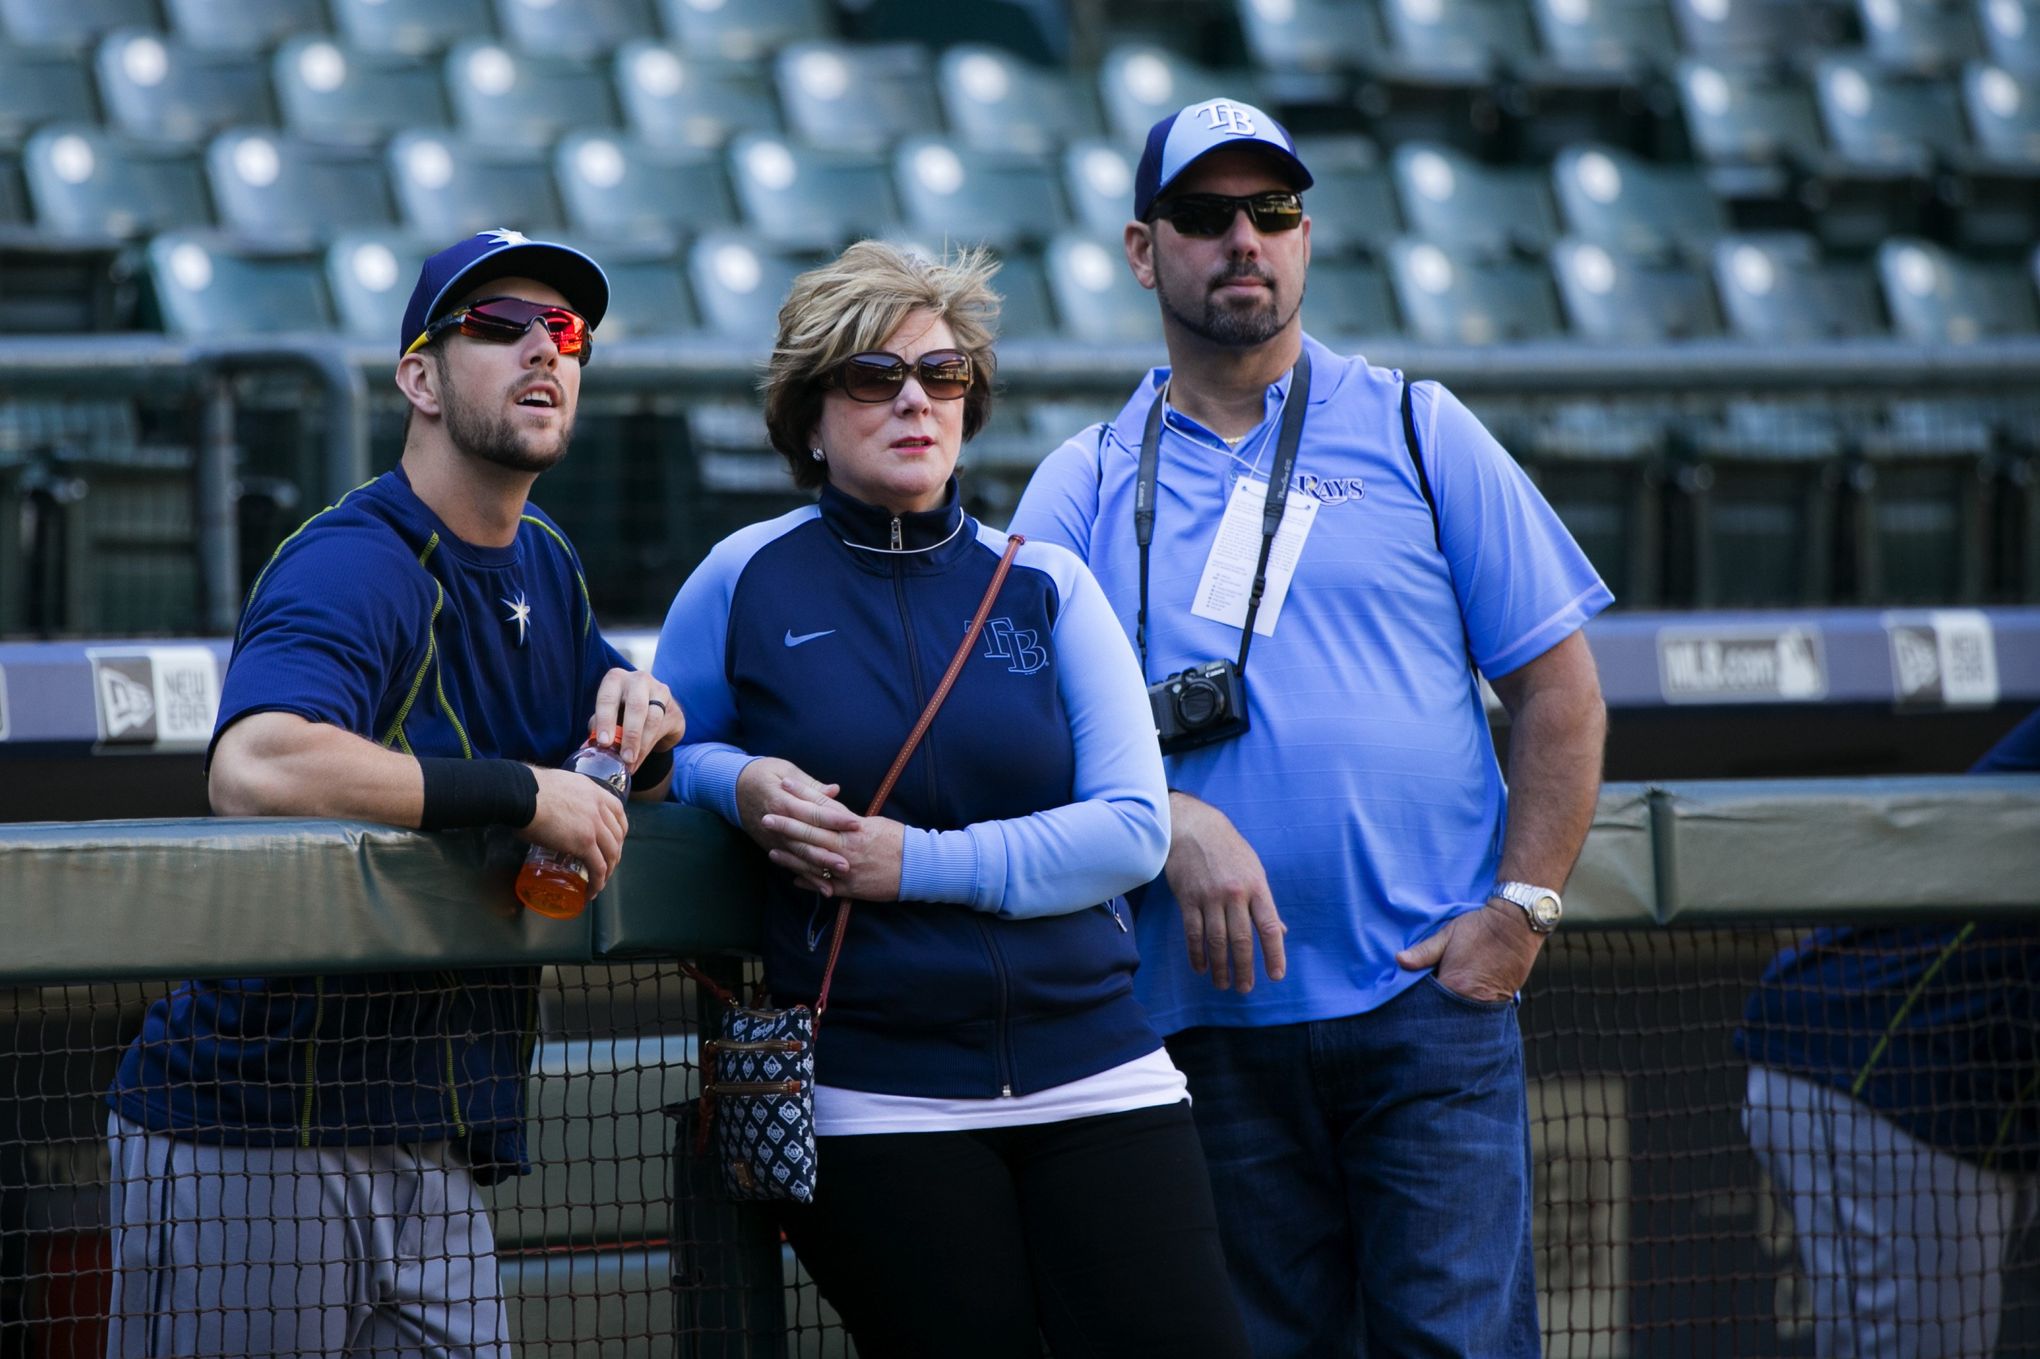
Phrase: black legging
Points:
(1097, 1233)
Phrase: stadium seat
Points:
(746, 31)
(412, 27)
(1098, 179)
(1776, 288)
(1311, 35)
(1760, 491)
(585, 28)
(799, 195)
(90, 184)
(161, 88)
(335, 93)
(950, 192)
(2011, 32)
(71, 23)
(1918, 35)
(1601, 466)
(1025, 312)
(1464, 298)
(511, 98)
(846, 97)
(2004, 114)
(1617, 298)
(672, 99)
(1890, 134)
(1349, 297)
(243, 25)
(1752, 128)
(619, 187)
(1922, 493)
(278, 189)
(1746, 30)
(1459, 203)
(1457, 40)
(739, 284)
(648, 293)
(1936, 297)
(1351, 201)
(1096, 296)
(1886, 122)
(207, 284)
(997, 102)
(41, 85)
(1997, 185)
(13, 193)
(1032, 30)
(1632, 205)
(1628, 39)
(369, 276)
(448, 186)
(1139, 84)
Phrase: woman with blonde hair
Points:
(1004, 1148)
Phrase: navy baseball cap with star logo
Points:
(1186, 136)
(463, 266)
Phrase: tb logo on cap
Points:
(1229, 118)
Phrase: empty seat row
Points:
(1771, 288)
(742, 30)
(1487, 37)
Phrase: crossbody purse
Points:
(758, 1073)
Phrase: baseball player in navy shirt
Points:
(295, 1159)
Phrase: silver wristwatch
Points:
(1542, 907)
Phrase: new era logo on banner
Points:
(1943, 658)
(161, 696)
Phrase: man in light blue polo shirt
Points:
(1364, 1114)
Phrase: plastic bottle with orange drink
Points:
(556, 884)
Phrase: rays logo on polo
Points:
(161, 696)
(1330, 490)
(1021, 647)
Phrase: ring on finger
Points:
(827, 875)
(658, 703)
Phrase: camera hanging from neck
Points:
(1287, 438)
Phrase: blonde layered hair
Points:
(849, 306)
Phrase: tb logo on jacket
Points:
(1020, 647)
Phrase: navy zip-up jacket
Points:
(1035, 801)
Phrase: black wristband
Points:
(477, 793)
(652, 769)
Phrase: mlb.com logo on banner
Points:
(157, 696)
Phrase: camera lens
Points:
(1199, 702)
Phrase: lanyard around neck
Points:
(1271, 509)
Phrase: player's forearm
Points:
(279, 764)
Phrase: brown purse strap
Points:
(899, 764)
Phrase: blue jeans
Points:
(1373, 1178)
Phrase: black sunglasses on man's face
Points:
(1206, 215)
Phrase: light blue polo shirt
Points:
(1368, 783)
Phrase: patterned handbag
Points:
(758, 1073)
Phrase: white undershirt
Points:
(1141, 1083)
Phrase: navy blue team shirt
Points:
(1935, 1027)
(376, 618)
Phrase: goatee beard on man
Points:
(1236, 326)
(494, 437)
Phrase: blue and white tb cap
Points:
(501, 253)
(1185, 136)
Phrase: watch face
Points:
(1544, 909)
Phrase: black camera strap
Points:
(1287, 438)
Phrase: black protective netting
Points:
(1658, 1229)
